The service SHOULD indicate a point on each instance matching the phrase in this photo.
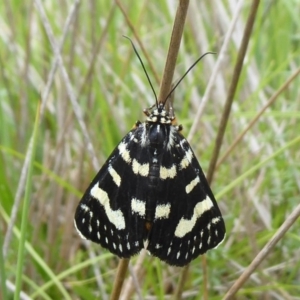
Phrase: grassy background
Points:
(98, 95)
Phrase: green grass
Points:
(257, 185)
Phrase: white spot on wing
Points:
(208, 240)
(115, 176)
(186, 225)
(192, 184)
(138, 207)
(142, 169)
(220, 242)
(215, 220)
(185, 162)
(165, 173)
(116, 217)
(84, 207)
(124, 152)
(162, 211)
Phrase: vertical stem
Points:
(26, 204)
(173, 50)
(232, 89)
(119, 279)
(292, 218)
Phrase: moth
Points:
(152, 193)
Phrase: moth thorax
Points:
(158, 135)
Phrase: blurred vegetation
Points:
(97, 93)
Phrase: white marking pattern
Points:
(162, 211)
(185, 162)
(165, 173)
(142, 169)
(186, 225)
(115, 176)
(116, 217)
(192, 184)
(138, 207)
(124, 152)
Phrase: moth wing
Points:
(104, 214)
(189, 221)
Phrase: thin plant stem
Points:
(25, 210)
(181, 282)
(217, 68)
(166, 85)
(45, 95)
(173, 50)
(164, 90)
(131, 284)
(232, 89)
(119, 279)
(256, 167)
(256, 118)
(3, 292)
(70, 90)
(263, 253)
(136, 36)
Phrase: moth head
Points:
(159, 115)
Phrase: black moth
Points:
(151, 193)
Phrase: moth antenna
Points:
(137, 54)
(189, 69)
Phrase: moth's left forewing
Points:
(105, 214)
(194, 224)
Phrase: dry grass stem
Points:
(216, 69)
(173, 50)
(119, 279)
(232, 89)
(131, 284)
(292, 218)
(137, 37)
(259, 114)
(70, 90)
